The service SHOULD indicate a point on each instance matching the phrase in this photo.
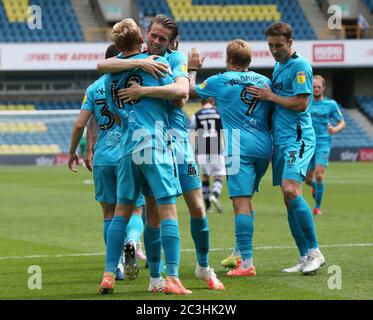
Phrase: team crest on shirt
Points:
(301, 77)
(203, 84)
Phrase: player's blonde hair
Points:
(126, 34)
(321, 78)
(239, 53)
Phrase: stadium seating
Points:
(26, 135)
(369, 4)
(352, 136)
(366, 106)
(223, 20)
(39, 105)
(59, 23)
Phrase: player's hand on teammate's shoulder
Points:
(155, 68)
(73, 162)
(195, 60)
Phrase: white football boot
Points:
(298, 267)
(315, 260)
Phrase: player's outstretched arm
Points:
(174, 91)
(195, 62)
(115, 65)
(298, 103)
(76, 135)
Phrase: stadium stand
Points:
(223, 20)
(353, 135)
(42, 134)
(59, 22)
(369, 4)
(366, 106)
(39, 105)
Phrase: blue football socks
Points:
(170, 239)
(201, 235)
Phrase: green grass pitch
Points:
(49, 218)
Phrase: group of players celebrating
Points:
(143, 158)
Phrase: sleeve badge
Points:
(301, 77)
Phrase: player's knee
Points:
(108, 210)
(153, 221)
(308, 181)
(319, 176)
(290, 192)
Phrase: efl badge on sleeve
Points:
(301, 77)
(85, 99)
(184, 68)
(203, 84)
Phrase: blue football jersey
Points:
(106, 150)
(144, 122)
(179, 66)
(290, 79)
(245, 119)
(322, 112)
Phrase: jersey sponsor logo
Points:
(301, 77)
(203, 85)
(113, 139)
(277, 86)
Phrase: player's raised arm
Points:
(195, 62)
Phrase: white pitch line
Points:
(37, 256)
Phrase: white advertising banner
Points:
(84, 56)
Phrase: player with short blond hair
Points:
(248, 142)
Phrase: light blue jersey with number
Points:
(179, 66)
(242, 116)
(106, 151)
(322, 112)
(144, 122)
(290, 79)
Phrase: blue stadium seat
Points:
(369, 4)
(68, 27)
(366, 106)
(290, 10)
(352, 136)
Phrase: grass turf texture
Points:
(49, 211)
